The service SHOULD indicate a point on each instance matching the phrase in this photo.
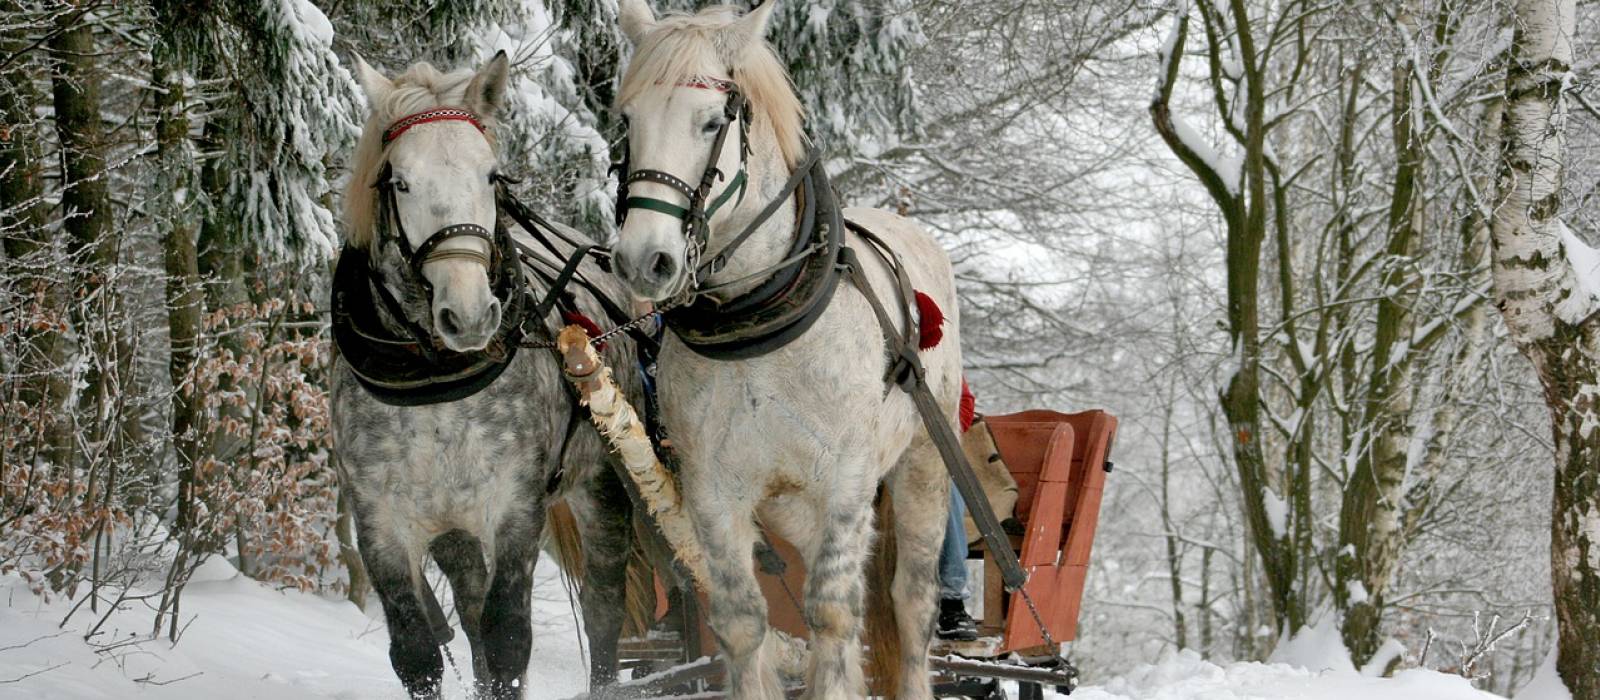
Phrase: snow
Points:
(1585, 263)
(1315, 648)
(246, 640)
(1277, 512)
(1185, 676)
(1387, 653)
(1546, 684)
(1357, 592)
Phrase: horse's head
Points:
(421, 198)
(681, 96)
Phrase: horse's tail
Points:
(882, 631)
(561, 534)
(565, 542)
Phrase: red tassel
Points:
(931, 325)
(590, 328)
(969, 407)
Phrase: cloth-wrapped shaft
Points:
(619, 423)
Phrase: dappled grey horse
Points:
(452, 442)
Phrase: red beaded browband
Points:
(709, 84)
(433, 115)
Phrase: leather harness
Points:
(799, 290)
(408, 366)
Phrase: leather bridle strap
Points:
(698, 212)
(429, 250)
(715, 264)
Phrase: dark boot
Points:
(954, 623)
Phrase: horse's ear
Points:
(487, 91)
(745, 31)
(636, 18)
(372, 82)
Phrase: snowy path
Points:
(247, 641)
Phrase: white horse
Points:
(797, 439)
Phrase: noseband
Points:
(428, 251)
(697, 214)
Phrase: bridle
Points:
(429, 250)
(697, 215)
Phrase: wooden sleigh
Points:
(1059, 462)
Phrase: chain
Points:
(453, 667)
(624, 328)
(1055, 649)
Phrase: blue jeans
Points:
(953, 556)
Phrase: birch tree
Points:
(1545, 283)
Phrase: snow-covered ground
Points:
(246, 641)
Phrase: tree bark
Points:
(1550, 313)
(1370, 534)
(185, 304)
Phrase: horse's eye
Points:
(714, 125)
(399, 185)
(494, 176)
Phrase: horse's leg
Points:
(507, 623)
(835, 594)
(460, 556)
(920, 492)
(606, 545)
(413, 648)
(738, 611)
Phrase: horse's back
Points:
(928, 266)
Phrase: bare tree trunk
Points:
(185, 304)
(1180, 633)
(85, 200)
(1244, 209)
(1551, 315)
(27, 239)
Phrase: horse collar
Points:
(783, 307)
(404, 367)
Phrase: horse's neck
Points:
(771, 242)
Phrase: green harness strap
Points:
(736, 185)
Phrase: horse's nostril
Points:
(449, 323)
(662, 266)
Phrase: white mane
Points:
(682, 47)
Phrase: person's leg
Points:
(954, 622)
(953, 558)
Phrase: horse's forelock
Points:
(420, 88)
(682, 47)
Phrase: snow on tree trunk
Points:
(1548, 307)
